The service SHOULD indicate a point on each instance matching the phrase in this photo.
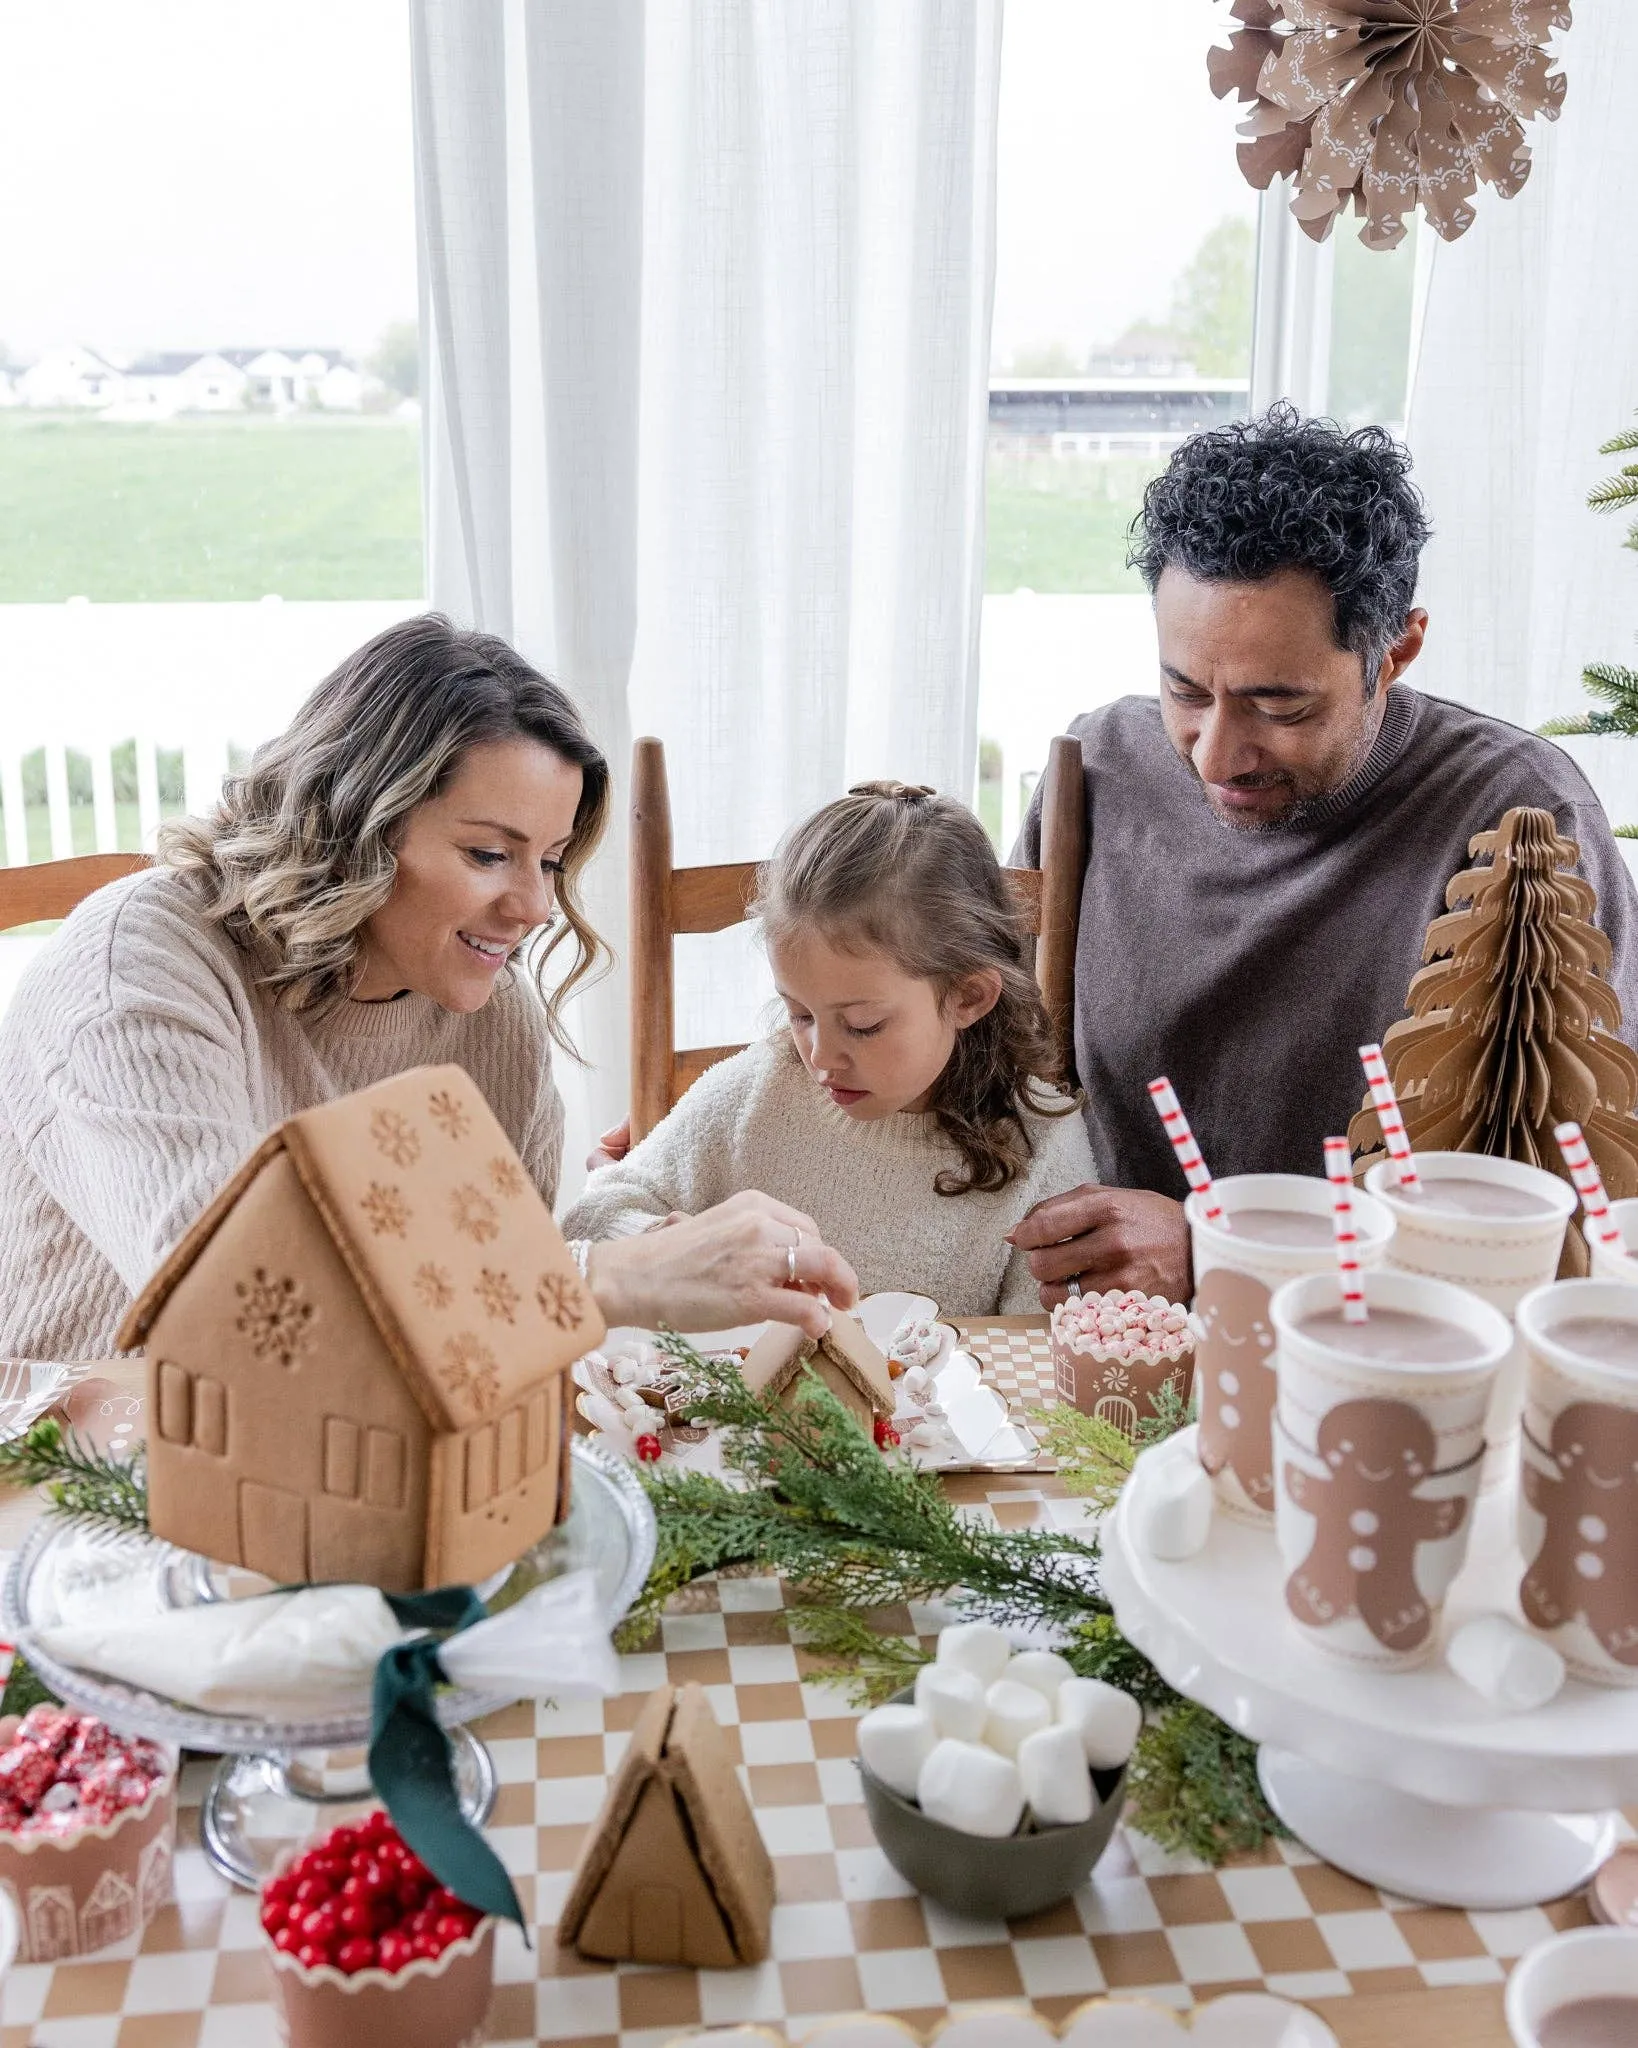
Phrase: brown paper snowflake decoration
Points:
(1389, 104)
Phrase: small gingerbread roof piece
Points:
(849, 1347)
(675, 1869)
(773, 1360)
(455, 1255)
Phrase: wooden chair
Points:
(666, 901)
(51, 888)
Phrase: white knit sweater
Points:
(759, 1120)
(139, 1063)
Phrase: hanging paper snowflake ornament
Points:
(1389, 104)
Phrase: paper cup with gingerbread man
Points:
(1379, 1439)
(1578, 1475)
(1274, 1227)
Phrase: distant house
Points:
(70, 378)
(1096, 418)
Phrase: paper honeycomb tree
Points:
(1510, 1020)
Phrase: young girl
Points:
(902, 1107)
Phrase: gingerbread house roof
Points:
(779, 1354)
(458, 1260)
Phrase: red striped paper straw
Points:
(1589, 1185)
(1386, 1104)
(1338, 1171)
(1188, 1152)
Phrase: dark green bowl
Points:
(983, 1877)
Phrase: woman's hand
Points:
(729, 1265)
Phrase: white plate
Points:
(28, 1388)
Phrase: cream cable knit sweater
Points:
(760, 1121)
(139, 1064)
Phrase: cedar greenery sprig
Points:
(81, 1484)
(818, 1503)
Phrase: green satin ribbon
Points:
(411, 1762)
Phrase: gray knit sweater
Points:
(139, 1063)
(760, 1120)
(1251, 966)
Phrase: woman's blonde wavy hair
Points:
(896, 868)
(299, 853)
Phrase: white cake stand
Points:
(277, 1772)
(1406, 1779)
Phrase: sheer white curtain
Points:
(1528, 360)
(706, 293)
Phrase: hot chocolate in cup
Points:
(1278, 1227)
(1578, 1475)
(1494, 1226)
(1380, 1435)
(1608, 1263)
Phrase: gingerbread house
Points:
(356, 1356)
(844, 1359)
(675, 1870)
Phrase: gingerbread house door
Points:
(273, 1532)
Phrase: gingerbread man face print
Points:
(1587, 1566)
(1234, 1348)
(1369, 1519)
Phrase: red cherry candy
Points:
(428, 1945)
(450, 1927)
(313, 1891)
(321, 1925)
(647, 1448)
(288, 1939)
(312, 1956)
(274, 1915)
(353, 1956)
(393, 1952)
(357, 1916)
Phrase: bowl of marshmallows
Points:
(995, 1783)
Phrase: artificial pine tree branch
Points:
(81, 1484)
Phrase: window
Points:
(209, 440)
(1133, 263)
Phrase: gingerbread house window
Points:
(480, 1467)
(210, 1417)
(383, 1468)
(175, 1404)
(342, 1442)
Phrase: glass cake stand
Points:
(1405, 1779)
(275, 1772)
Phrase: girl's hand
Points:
(729, 1265)
(611, 1147)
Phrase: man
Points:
(1268, 842)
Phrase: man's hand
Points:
(1107, 1237)
(611, 1147)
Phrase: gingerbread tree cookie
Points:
(1511, 1021)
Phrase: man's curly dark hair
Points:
(1237, 503)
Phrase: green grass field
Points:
(1061, 526)
(208, 509)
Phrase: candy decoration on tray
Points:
(674, 1870)
(87, 1827)
(367, 1950)
(380, 1398)
(1112, 1353)
(917, 1340)
(1512, 1021)
(632, 1395)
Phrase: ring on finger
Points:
(791, 1252)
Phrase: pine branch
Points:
(1623, 444)
(1097, 1649)
(1615, 491)
(1094, 1458)
(868, 1663)
(1192, 1786)
(81, 1484)
(1567, 728)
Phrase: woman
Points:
(361, 901)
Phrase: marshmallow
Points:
(1057, 1781)
(953, 1699)
(925, 1435)
(1503, 1664)
(976, 1646)
(894, 1743)
(917, 1384)
(1012, 1712)
(1106, 1719)
(631, 1402)
(1043, 1670)
(972, 1789)
(1171, 1510)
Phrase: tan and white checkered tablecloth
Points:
(848, 1933)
